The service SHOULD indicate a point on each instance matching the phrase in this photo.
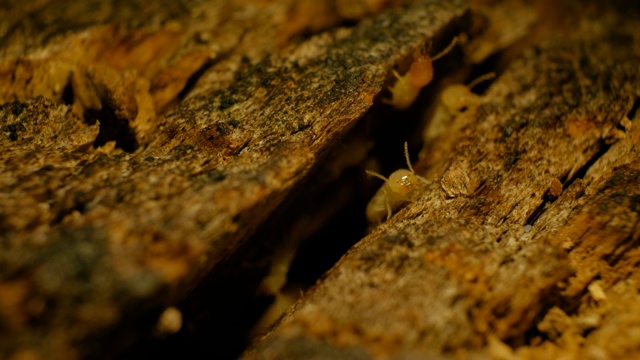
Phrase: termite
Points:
(458, 97)
(452, 101)
(401, 186)
(407, 87)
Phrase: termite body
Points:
(402, 186)
(407, 87)
(453, 100)
(456, 98)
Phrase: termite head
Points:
(403, 183)
(407, 87)
(401, 186)
(420, 71)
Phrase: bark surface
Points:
(524, 243)
(115, 201)
(145, 144)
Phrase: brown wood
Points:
(124, 180)
(146, 144)
(524, 245)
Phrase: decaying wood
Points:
(145, 142)
(115, 202)
(524, 245)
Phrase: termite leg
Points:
(386, 202)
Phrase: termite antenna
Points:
(387, 205)
(375, 174)
(446, 50)
(406, 156)
(480, 79)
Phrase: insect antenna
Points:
(375, 174)
(446, 50)
(406, 156)
(480, 79)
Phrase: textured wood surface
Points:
(143, 144)
(524, 245)
(146, 145)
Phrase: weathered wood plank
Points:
(95, 238)
(529, 206)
